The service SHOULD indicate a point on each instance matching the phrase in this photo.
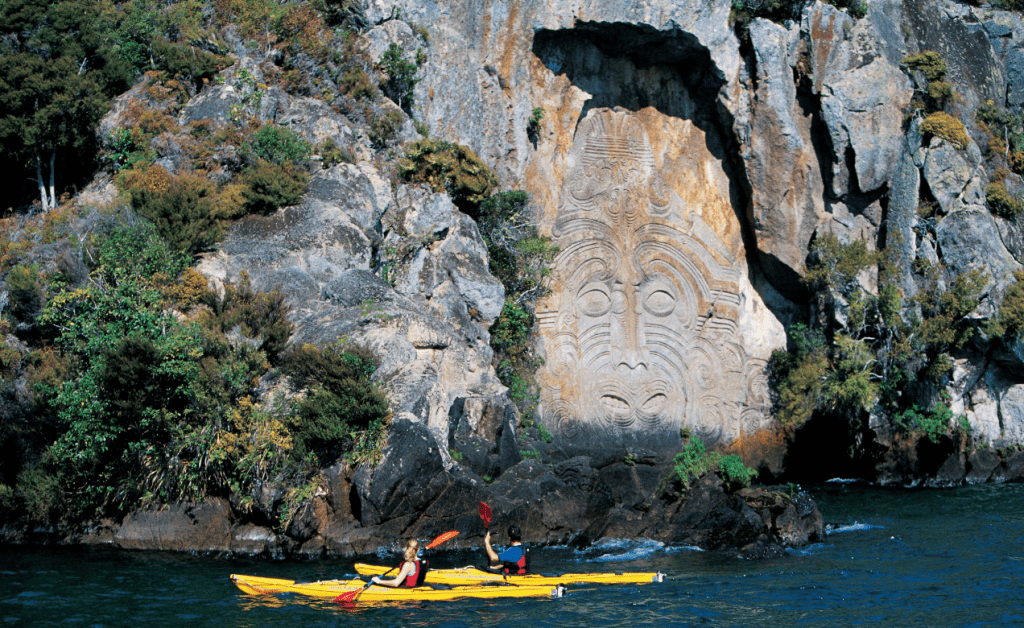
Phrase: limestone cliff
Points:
(684, 164)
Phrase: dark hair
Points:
(514, 534)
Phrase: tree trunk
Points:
(42, 186)
(53, 191)
(49, 197)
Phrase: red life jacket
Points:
(519, 567)
(415, 579)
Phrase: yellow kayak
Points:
(474, 576)
(330, 589)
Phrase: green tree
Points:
(56, 78)
(401, 76)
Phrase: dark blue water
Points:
(893, 558)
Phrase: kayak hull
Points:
(474, 576)
(331, 589)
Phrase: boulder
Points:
(969, 239)
(1011, 467)
(408, 478)
(185, 526)
(1011, 415)
(980, 465)
(956, 177)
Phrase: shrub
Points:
(39, 493)
(518, 257)
(1011, 310)
(800, 376)
(835, 265)
(450, 167)
(332, 154)
(276, 145)
(271, 186)
(1004, 129)
(26, 292)
(143, 390)
(1001, 203)
(936, 92)
(341, 397)
(357, 84)
(137, 250)
(929, 63)
(734, 473)
(694, 462)
(850, 385)
(259, 315)
(932, 424)
(511, 330)
(187, 62)
(941, 124)
(943, 324)
(383, 126)
(122, 149)
(180, 207)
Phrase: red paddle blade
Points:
(348, 596)
(444, 538)
(485, 514)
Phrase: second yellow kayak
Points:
(474, 576)
(331, 589)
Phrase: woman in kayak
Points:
(513, 560)
(411, 572)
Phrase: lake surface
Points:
(893, 558)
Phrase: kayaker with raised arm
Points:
(513, 560)
(412, 569)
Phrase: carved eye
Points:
(594, 303)
(655, 405)
(660, 303)
(616, 405)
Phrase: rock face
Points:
(683, 167)
(428, 324)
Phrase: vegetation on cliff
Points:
(695, 461)
(875, 350)
(125, 378)
(519, 257)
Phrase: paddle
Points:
(485, 514)
(350, 596)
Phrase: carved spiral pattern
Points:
(640, 329)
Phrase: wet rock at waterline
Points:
(410, 494)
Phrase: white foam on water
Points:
(620, 550)
(854, 527)
(806, 551)
(841, 481)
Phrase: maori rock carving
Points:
(640, 330)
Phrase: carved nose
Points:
(627, 330)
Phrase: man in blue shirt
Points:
(513, 560)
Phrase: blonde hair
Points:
(410, 550)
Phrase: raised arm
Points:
(491, 554)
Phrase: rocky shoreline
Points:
(411, 495)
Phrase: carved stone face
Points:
(638, 330)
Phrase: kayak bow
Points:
(331, 589)
(474, 576)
